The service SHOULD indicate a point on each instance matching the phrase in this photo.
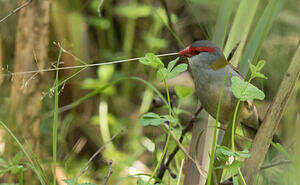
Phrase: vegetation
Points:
(79, 108)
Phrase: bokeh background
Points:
(126, 29)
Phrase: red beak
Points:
(186, 52)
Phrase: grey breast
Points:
(208, 83)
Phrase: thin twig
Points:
(85, 65)
(163, 166)
(275, 164)
(16, 10)
(199, 168)
(109, 172)
(99, 7)
(180, 171)
(95, 154)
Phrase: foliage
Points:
(151, 118)
(127, 30)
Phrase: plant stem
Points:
(21, 176)
(236, 114)
(233, 125)
(168, 137)
(213, 147)
(55, 120)
(241, 176)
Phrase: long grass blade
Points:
(240, 28)
(24, 151)
(259, 34)
(223, 19)
(214, 143)
(55, 120)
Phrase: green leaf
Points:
(133, 10)
(243, 154)
(170, 119)
(177, 70)
(260, 65)
(225, 150)
(233, 168)
(259, 75)
(152, 60)
(252, 67)
(183, 92)
(172, 64)
(161, 74)
(223, 153)
(251, 92)
(151, 118)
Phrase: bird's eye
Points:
(196, 52)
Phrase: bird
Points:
(208, 67)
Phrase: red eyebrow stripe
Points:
(190, 50)
(203, 49)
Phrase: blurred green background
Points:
(127, 29)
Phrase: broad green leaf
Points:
(133, 10)
(183, 92)
(177, 70)
(161, 74)
(152, 60)
(151, 118)
(172, 64)
(251, 92)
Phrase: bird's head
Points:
(204, 52)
